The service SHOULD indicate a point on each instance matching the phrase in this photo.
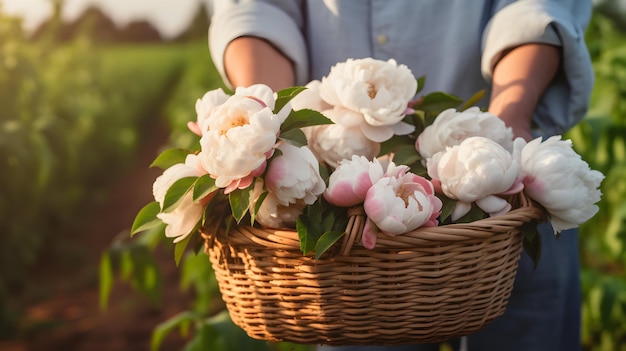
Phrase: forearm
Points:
(250, 60)
(519, 80)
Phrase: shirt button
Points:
(381, 39)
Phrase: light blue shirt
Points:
(454, 43)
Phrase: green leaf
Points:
(474, 214)
(206, 338)
(257, 206)
(396, 142)
(314, 215)
(169, 158)
(146, 276)
(304, 118)
(146, 218)
(196, 272)
(420, 83)
(531, 241)
(326, 241)
(153, 236)
(406, 155)
(324, 173)
(179, 249)
(294, 137)
(240, 202)
(285, 95)
(105, 279)
(340, 219)
(473, 100)
(447, 208)
(607, 302)
(328, 221)
(176, 192)
(307, 239)
(223, 334)
(162, 330)
(437, 102)
(204, 186)
(137, 265)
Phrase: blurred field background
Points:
(86, 105)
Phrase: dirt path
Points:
(68, 317)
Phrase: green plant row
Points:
(601, 140)
(72, 118)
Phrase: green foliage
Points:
(72, 117)
(133, 261)
(601, 141)
(213, 333)
(198, 77)
(146, 218)
(169, 158)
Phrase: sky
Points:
(170, 17)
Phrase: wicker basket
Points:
(427, 285)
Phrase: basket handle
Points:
(354, 229)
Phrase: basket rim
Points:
(288, 239)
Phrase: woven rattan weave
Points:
(427, 285)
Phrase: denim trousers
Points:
(543, 313)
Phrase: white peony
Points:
(332, 143)
(349, 183)
(451, 127)
(294, 175)
(204, 107)
(310, 98)
(191, 168)
(557, 177)
(377, 92)
(397, 204)
(273, 214)
(238, 139)
(259, 92)
(475, 171)
(181, 220)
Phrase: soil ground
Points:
(68, 316)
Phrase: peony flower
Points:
(332, 143)
(191, 168)
(451, 127)
(272, 213)
(557, 177)
(349, 183)
(180, 221)
(375, 92)
(310, 98)
(294, 175)
(262, 93)
(204, 107)
(396, 171)
(475, 171)
(239, 138)
(183, 219)
(396, 205)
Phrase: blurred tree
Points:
(138, 31)
(198, 27)
(613, 9)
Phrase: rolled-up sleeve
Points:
(563, 23)
(279, 25)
